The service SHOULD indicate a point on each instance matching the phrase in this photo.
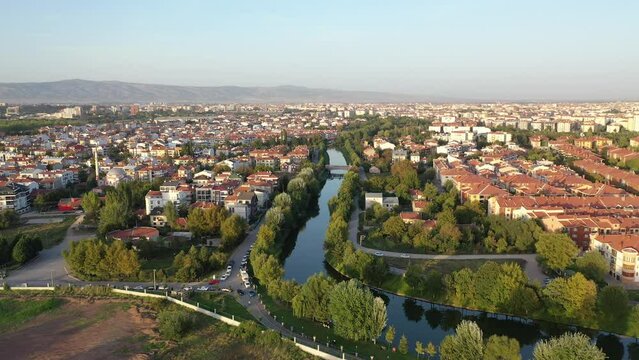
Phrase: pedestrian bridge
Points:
(338, 167)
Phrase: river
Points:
(421, 320)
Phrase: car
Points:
(163, 287)
(247, 284)
(379, 253)
(203, 288)
(547, 281)
(223, 277)
(226, 290)
(240, 292)
(404, 256)
(187, 288)
(252, 293)
(229, 268)
(150, 287)
(214, 281)
(139, 287)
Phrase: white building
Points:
(387, 202)
(620, 251)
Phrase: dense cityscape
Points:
(527, 211)
(291, 180)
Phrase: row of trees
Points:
(101, 260)
(506, 288)
(468, 344)
(191, 265)
(20, 249)
(340, 251)
(286, 214)
(355, 313)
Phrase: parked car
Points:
(203, 288)
(226, 290)
(404, 256)
(162, 287)
(139, 287)
(379, 253)
(252, 293)
(223, 277)
(240, 292)
(187, 288)
(214, 281)
(247, 284)
(229, 268)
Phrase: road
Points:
(50, 262)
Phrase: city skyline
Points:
(490, 51)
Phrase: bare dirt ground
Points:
(83, 329)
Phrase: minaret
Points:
(97, 166)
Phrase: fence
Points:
(305, 346)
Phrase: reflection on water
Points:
(421, 320)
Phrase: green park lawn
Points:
(50, 234)
(224, 303)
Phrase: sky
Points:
(476, 49)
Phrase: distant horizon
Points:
(452, 99)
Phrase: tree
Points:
(26, 248)
(313, 298)
(614, 304)
(390, 335)
(593, 265)
(403, 344)
(356, 313)
(465, 344)
(431, 350)
(394, 227)
(116, 212)
(572, 298)
(8, 218)
(556, 251)
(233, 230)
(502, 348)
(419, 348)
(5, 250)
(196, 222)
(430, 191)
(170, 212)
(567, 346)
(40, 202)
(91, 205)
(174, 324)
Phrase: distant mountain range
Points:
(116, 92)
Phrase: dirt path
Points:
(82, 330)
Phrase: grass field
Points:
(446, 266)
(223, 303)
(50, 234)
(14, 312)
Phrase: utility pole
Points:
(52, 285)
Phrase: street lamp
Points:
(154, 279)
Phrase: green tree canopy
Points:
(567, 346)
(556, 251)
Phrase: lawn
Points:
(211, 340)
(447, 266)
(50, 234)
(310, 328)
(224, 303)
(14, 312)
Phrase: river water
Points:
(421, 320)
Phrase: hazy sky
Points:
(475, 49)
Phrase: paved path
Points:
(50, 262)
